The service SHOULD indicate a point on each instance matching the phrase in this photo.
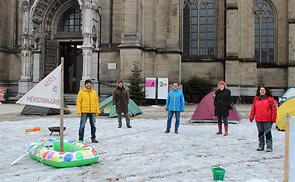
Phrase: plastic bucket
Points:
(218, 173)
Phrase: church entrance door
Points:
(73, 60)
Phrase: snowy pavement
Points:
(144, 152)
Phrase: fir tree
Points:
(136, 87)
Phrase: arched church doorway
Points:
(73, 60)
(69, 39)
(55, 29)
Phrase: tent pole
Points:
(62, 107)
(47, 111)
(286, 171)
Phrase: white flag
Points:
(47, 93)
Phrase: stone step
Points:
(70, 99)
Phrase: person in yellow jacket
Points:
(87, 107)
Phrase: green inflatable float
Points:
(74, 154)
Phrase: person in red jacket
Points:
(265, 113)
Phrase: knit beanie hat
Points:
(88, 81)
(222, 83)
(120, 81)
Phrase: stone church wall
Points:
(158, 26)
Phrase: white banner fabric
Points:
(47, 93)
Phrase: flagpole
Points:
(62, 107)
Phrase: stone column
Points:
(89, 10)
(131, 44)
(168, 57)
(87, 46)
(133, 14)
(25, 83)
(232, 62)
(291, 68)
(37, 58)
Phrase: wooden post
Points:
(286, 171)
(61, 131)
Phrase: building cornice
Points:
(152, 49)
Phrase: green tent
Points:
(38, 110)
(106, 108)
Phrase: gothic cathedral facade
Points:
(243, 42)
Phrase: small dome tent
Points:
(38, 110)
(205, 111)
(287, 95)
(106, 108)
(286, 106)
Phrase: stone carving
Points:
(25, 6)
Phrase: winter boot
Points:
(128, 120)
(93, 140)
(226, 130)
(219, 129)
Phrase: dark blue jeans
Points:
(84, 117)
(170, 115)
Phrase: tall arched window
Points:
(70, 21)
(198, 28)
(264, 31)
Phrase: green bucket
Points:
(218, 173)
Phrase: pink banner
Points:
(150, 83)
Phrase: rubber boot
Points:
(226, 130)
(219, 129)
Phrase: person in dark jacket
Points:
(222, 100)
(265, 113)
(120, 103)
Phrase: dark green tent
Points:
(38, 110)
(106, 108)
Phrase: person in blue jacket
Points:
(174, 105)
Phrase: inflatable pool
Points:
(74, 154)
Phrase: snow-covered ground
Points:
(145, 152)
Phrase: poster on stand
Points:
(150, 88)
(163, 88)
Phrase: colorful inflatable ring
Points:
(74, 154)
